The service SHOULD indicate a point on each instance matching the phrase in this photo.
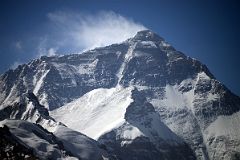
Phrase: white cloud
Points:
(87, 31)
(44, 50)
(52, 52)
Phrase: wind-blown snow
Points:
(96, 112)
(148, 44)
(174, 98)
(225, 126)
(165, 44)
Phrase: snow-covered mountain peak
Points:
(147, 35)
(135, 96)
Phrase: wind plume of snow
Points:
(87, 31)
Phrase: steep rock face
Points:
(182, 92)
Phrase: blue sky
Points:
(207, 31)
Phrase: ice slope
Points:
(96, 112)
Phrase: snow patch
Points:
(129, 133)
(148, 44)
(175, 99)
(203, 75)
(140, 87)
(43, 100)
(69, 71)
(213, 97)
(87, 68)
(164, 44)
(127, 58)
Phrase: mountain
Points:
(26, 125)
(140, 99)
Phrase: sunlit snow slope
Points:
(96, 112)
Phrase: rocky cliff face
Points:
(131, 96)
